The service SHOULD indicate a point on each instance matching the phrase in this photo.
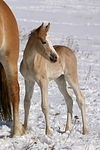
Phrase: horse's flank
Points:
(43, 62)
(8, 31)
(9, 52)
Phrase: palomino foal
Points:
(9, 52)
(61, 67)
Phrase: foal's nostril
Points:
(53, 57)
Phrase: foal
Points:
(61, 67)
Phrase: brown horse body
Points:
(9, 52)
(35, 67)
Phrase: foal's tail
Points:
(5, 105)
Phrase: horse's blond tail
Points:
(5, 105)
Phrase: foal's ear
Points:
(42, 25)
(47, 27)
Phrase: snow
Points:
(77, 25)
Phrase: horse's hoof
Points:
(18, 131)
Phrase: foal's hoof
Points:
(85, 131)
(49, 132)
(25, 128)
(68, 129)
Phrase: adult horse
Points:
(9, 52)
(61, 67)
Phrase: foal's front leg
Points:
(44, 104)
(29, 85)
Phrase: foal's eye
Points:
(43, 42)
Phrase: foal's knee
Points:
(45, 108)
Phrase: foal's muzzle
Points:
(53, 57)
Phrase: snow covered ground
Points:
(75, 23)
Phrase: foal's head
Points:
(43, 44)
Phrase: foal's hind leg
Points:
(73, 82)
(69, 102)
(29, 85)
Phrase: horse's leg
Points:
(69, 102)
(29, 85)
(44, 105)
(10, 68)
(73, 82)
(5, 104)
